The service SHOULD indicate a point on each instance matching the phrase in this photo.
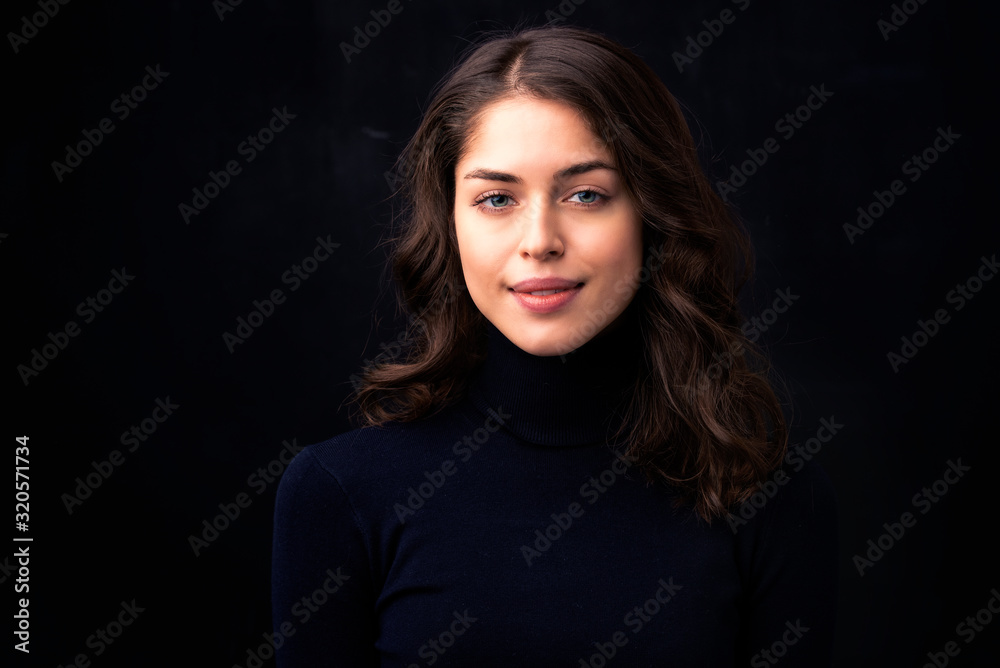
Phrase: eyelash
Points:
(492, 210)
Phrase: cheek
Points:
(622, 256)
(632, 248)
(466, 244)
(627, 263)
(475, 255)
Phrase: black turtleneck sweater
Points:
(506, 531)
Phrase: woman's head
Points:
(494, 107)
(539, 206)
(502, 183)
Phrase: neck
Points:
(564, 400)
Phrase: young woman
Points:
(553, 476)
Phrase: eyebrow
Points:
(572, 170)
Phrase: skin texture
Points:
(541, 227)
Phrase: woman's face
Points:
(540, 206)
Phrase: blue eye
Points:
(498, 201)
(494, 201)
(587, 196)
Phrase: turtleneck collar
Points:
(563, 400)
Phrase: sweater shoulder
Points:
(811, 493)
(791, 498)
(792, 519)
(379, 456)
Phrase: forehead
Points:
(540, 127)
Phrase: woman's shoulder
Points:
(369, 456)
(789, 528)
(792, 497)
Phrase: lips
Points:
(545, 286)
(545, 295)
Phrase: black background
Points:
(325, 174)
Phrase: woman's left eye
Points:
(587, 196)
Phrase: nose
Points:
(541, 235)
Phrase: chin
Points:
(548, 349)
(545, 341)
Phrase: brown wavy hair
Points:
(711, 430)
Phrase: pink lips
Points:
(545, 303)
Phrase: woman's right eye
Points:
(494, 200)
